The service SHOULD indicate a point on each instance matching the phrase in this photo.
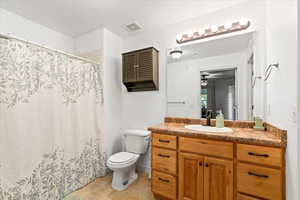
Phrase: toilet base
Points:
(121, 180)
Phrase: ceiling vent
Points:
(133, 26)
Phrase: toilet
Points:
(123, 164)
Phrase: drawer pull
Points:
(258, 175)
(163, 180)
(257, 154)
(164, 156)
(164, 141)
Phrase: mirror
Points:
(216, 75)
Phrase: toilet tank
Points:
(136, 141)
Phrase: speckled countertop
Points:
(273, 137)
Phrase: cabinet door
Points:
(145, 65)
(190, 176)
(129, 67)
(218, 179)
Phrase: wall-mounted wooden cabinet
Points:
(140, 70)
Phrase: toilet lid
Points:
(122, 157)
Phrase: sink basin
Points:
(211, 129)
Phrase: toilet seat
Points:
(122, 159)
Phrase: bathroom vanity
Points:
(242, 165)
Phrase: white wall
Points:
(25, 29)
(183, 83)
(89, 42)
(298, 64)
(112, 49)
(144, 109)
(108, 46)
(259, 49)
(281, 88)
(90, 45)
(135, 113)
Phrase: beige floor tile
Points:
(101, 189)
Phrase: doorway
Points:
(218, 93)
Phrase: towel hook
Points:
(269, 70)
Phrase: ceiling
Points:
(75, 17)
(229, 45)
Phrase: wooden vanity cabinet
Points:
(214, 174)
(187, 168)
(204, 178)
(245, 197)
(218, 179)
(164, 166)
(191, 176)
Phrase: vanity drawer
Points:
(164, 160)
(245, 197)
(164, 185)
(260, 155)
(259, 181)
(207, 147)
(165, 141)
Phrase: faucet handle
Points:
(209, 113)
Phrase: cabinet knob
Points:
(206, 164)
(200, 163)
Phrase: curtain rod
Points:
(9, 36)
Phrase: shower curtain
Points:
(50, 122)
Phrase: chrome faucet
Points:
(208, 117)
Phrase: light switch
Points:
(294, 114)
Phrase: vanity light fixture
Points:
(176, 53)
(214, 30)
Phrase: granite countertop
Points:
(273, 138)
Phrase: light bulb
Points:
(243, 21)
(190, 34)
(201, 31)
(214, 28)
(204, 83)
(179, 37)
(228, 25)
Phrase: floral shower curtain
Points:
(50, 122)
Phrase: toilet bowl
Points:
(123, 164)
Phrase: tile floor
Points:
(101, 189)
